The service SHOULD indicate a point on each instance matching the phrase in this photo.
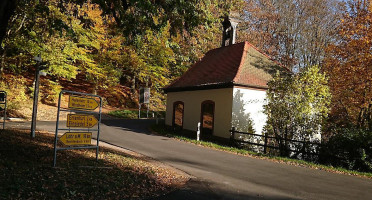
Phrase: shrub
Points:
(297, 106)
(133, 114)
(126, 114)
(15, 89)
(350, 148)
(49, 92)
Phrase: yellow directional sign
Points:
(84, 103)
(78, 120)
(71, 138)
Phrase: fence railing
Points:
(282, 144)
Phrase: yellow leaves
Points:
(297, 102)
(348, 64)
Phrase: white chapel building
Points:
(222, 90)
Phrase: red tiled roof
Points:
(238, 64)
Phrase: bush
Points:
(133, 114)
(15, 89)
(297, 106)
(350, 148)
(49, 92)
(126, 114)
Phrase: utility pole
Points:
(39, 66)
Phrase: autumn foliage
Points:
(349, 66)
(109, 44)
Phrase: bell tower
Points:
(229, 25)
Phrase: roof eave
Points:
(199, 87)
(212, 86)
(251, 86)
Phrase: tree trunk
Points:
(7, 8)
(2, 63)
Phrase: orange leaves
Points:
(349, 64)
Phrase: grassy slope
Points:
(26, 172)
(133, 114)
(160, 129)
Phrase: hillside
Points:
(20, 92)
(84, 47)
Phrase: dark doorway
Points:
(207, 117)
(178, 109)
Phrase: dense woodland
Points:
(108, 44)
(115, 47)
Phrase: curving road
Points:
(221, 175)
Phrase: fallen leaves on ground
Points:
(26, 172)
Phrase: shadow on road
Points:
(200, 190)
(135, 125)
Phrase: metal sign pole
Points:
(139, 111)
(147, 112)
(80, 138)
(36, 98)
(3, 100)
(98, 126)
(39, 66)
(56, 133)
(6, 102)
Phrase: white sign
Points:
(37, 58)
(145, 95)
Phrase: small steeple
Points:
(229, 25)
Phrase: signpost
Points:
(145, 95)
(3, 101)
(39, 66)
(80, 126)
(71, 138)
(144, 98)
(78, 120)
(83, 103)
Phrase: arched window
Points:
(207, 117)
(178, 110)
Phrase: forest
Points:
(114, 47)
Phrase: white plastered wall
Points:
(248, 102)
(192, 107)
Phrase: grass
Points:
(133, 114)
(160, 129)
(26, 172)
(125, 114)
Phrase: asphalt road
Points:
(221, 175)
